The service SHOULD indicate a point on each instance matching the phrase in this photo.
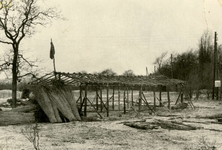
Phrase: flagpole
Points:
(52, 56)
(54, 62)
(54, 68)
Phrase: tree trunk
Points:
(14, 76)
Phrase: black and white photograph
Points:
(110, 75)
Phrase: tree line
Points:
(110, 72)
(196, 66)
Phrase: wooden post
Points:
(132, 96)
(80, 95)
(97, 108)
(154, 100)
(124, 101)
(171, 64)
(80, 98)
(215, 64)
(178, 98)
(113, 105)
(101, 99)
(85, 100)
(127, 90)
(168, 98)
(160, 96)
(118, 98)
(107, 103)
(219, 93)
(182, 97)
(140, 98)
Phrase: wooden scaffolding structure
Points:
(113, 86)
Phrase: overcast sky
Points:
(122, 34)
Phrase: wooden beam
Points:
(113, 99)
(124, 101)
(94, 108)
(80, 95)
(132, 96)
(127, 93)
(118, 98)
(101, 99)
(181, 97)
(97, 108)
(107, 103)
(140, 98)
(154, 100)
(146, 102)
(85, 100)
(178, 98)
(168, 98)
(160, 96)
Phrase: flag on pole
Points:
(52, 50)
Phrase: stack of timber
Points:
(165, 124)
(141, 125)
(58, 103)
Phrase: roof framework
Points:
(94, 80)
(101, 102)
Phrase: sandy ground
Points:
(110, 133)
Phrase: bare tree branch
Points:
(159, 60)
(5, 42)
(18, 19)
(31, 65)
(27, 74)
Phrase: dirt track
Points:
(112, 134)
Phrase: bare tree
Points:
(128, 73)
(18, 19)
(25, 65)
(159, 60)
(107, 72)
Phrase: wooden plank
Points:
(94, 108)
(127, 93)
(81, 105)
(132, 97)
(178, 98)
(160, 96)
(147, 102)
(78, 100)
(168, 98)
(113, 99)
(191, 103)
(80, 95)
(97, 107)
(45, 103)
(181, 97)
(124, 101)
(118, 98)
(101, 99)
(154, 100)
(61, 103)
(85, 100)
(56, 112)
(107, 103)
(67, 93)
(140, 98)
